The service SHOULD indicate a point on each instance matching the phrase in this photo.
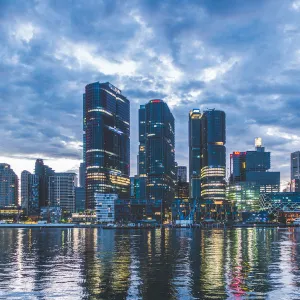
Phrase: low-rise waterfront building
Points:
(105, 207)
(250, 177)
(281, 201)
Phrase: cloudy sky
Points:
(239, 56)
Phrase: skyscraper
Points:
(213, 153)
(295, 165)
(62, 191)
(106, 142)
(156, 151)
(195, 153)
(8, 186)
(43, 172)
(207, 138)
(30, 193)
(82, 175)
(181, 173)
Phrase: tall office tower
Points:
(195, 153)
(156, 151)
(295, 165)
(30, 193)
(79, 199)
(43, 172)
(82, 175)
(181, 173)
(250, 176)
(107, 134)
(62, 191)
(213, 153)
(8, 186)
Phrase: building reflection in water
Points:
(150, 264)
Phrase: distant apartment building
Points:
(30, 193)
(181, 173)
(62, 191)
(8, 186)
(295, 165)
(43, 172)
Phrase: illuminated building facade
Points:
(249, 177)
(182, 190)
(107, 144)
(30, 193)
(207, 138)
(275, 202)
(105, 207)
(213, 152)
(156, 151)
(8, 186)
(195, 153)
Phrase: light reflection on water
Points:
(150, 264)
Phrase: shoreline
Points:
(61, 225)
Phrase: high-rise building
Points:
(207, 152)
(8, 186)
(182, 190)
(213, 153)
(106, 142)
(181, 173)
(43, 172)
(156, 151)
(82, 175)
(79, 199)
(195, 153)
(62, 191)
(30, 193)
(295, 165)
(250, 177)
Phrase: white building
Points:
(105, 207)
(62, 191)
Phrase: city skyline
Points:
(43, 80)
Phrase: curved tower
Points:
(107, 144)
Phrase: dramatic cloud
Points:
(239, 56)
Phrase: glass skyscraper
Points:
(157, 152)
(195, 153)
(213, 153)
(295, 165)
(106, 141)
(207, 152)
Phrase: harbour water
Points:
(94, 263)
